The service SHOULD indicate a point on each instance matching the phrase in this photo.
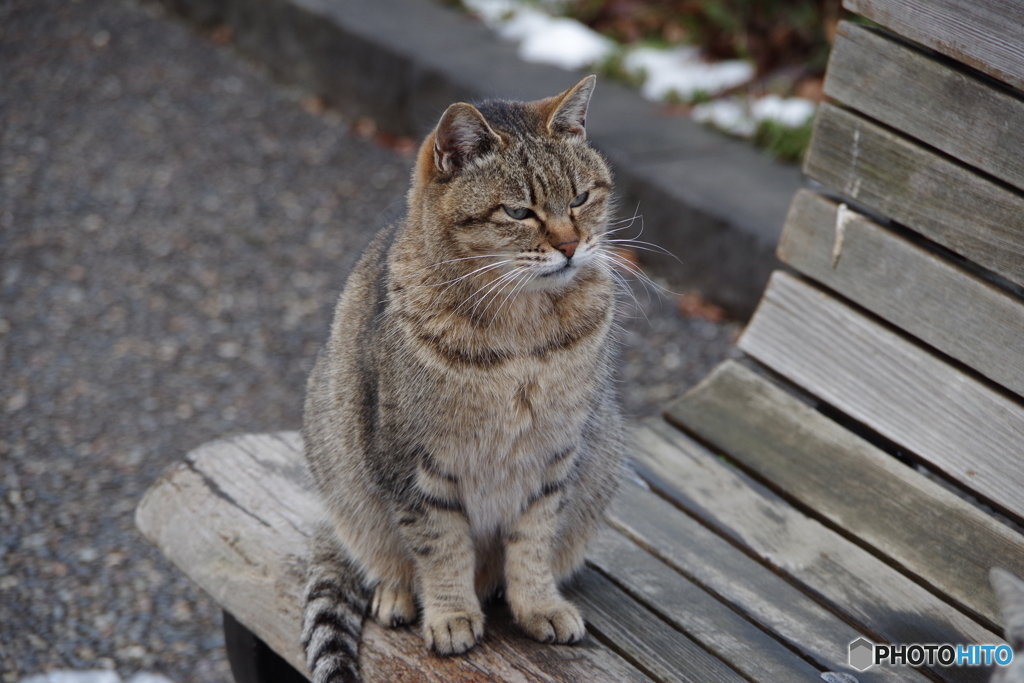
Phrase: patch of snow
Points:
(792, 112)
(679, 72)
(566, 43)
(96, 676)
(493, 12)
(70, 676)
(728, 114)
(737, 117)
(519, 25)
(143, 677)
(682, 71)
(542, 38)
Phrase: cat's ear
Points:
(569, 110)
(461, 136)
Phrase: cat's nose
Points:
(568, 248)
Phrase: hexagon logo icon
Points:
(862, 654)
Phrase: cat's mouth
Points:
(563, 270)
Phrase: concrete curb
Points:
(715, 202)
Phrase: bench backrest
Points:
(905, 324)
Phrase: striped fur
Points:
(332, 620)
(461, 423)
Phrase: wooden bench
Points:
(856, 475)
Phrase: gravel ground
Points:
(174, 228)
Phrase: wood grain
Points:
(910, 287)
(931, 532)
(837, 572)
(689, 608)
(251, 568)
(951, 110)
(236, 516)
(643, 638)
(945, 201)
(985, 34)
(906, 394)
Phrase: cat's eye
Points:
(519, 214)
(580, 199)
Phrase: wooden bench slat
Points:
(389, 655)
(927, 192)
(928, 100)
(236, 519)
(691, 609)
(910, 287)
(252, 569)
(840, 573)
(895, 387)
(924, 527)
(658, 649)
(985, 34)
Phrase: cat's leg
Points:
(394, 603)
(539, 609)
(382, 554)
(438, 535)
(596, 475)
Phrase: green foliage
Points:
(613, 66)
(783, 142)
(700, 97)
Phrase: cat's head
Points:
(515, 185)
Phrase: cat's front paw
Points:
(452, 633)
(393, 604)
(557, 623)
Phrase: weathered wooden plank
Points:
(985, 34)
(687, 606)
(841, 574)
(900, 390)
(236, 519)
(945, 201)
(929, 100)
(646, 641)
(931, 532)
(912, 288)
(251, 568)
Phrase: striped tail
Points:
(332, 619)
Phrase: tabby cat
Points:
(461, 423)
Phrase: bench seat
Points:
(857, 474)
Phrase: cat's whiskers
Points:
(528, 276)
(481, 294)
(634, 270)
(477, 295)
(612, 270)
(643, 246)
(629, 223)
(465, 258)
(454, 281)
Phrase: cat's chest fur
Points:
(516, 398)
(512, 426)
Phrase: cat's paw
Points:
(452, 633)
(393, 604)
(557, 623)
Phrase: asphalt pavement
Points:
(174, 228)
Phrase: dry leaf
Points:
(223, 34)
(314, 105)
(692, 305)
